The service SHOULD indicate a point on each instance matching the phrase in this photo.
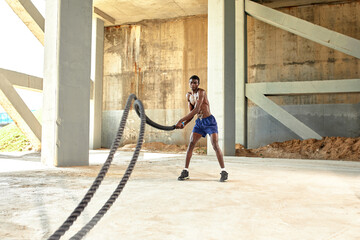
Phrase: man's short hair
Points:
(195, 77)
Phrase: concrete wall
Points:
(276, 55)
(153, 59)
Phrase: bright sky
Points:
(20, 50)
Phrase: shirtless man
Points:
(205, 124)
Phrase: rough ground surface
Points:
(264, 198)
(328, 148)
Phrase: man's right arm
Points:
(191, 107)
(197, 107)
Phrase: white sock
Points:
(223, 169)
(186, 169)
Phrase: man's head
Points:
(194, 82)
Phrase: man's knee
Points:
(192, 144)
(215, 146)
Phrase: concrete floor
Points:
(263, 199)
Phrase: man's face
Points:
(194, 84)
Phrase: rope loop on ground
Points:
(138, 106)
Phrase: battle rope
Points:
(90, 193)
(154, 124)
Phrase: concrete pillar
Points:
(241, 73)
(221, 71)
(65, 138)
(97, 60)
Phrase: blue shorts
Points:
(206, 126)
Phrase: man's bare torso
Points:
(204, 108)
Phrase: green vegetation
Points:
(13, 140)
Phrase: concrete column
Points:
(221, 71)
(97, 61)
(241, 73)
(65, 138)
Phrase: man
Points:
(205, 124)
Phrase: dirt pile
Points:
(330, 148)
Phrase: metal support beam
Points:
(22, 80)
(296, 3)
(309, 87)
(29, 82)
(256, 92)
(240, 73)
(104, 16)
(19, 112)
(97, 62)
(30, 16)
(221, 72)
(313, 32)
(279, 113)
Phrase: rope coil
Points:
(138, 106)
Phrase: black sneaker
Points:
(224, 176)
(184, 175)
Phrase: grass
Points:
(13, 140)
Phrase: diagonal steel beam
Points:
(19, 112)
(295, 125)
(256, 92)
(31, 17)
(35, 21)
(313, 32)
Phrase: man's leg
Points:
(214, 141)
(219, 155)
(194, 138)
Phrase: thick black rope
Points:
(154, 124)
(125, 178)
(84, 202)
